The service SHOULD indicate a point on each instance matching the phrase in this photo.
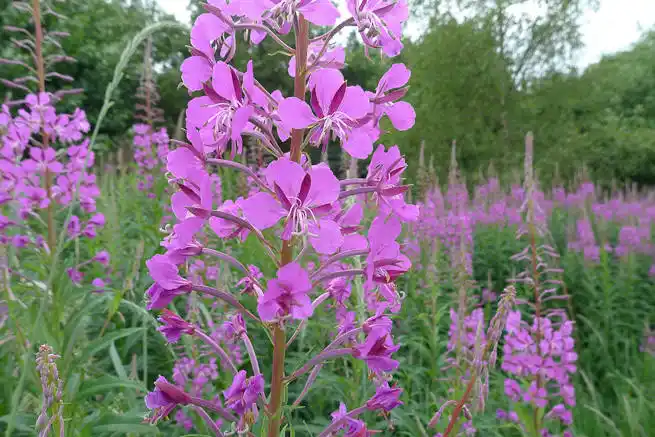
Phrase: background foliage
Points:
(483, 78)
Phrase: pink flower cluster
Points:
(35, 176)
(150, 151)
(316, 229)
(543, 354)
(453, 220)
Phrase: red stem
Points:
(279, 335)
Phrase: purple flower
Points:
(336, 111)
(43, 160)
(377, 350)
(102, 257)
(379, 23)
(386, 398)
(385, 262)
(168, 282)
(332, 58)
(75, 275)
(384, 172)
(389, 90)
(351, 426)
(173, 326)
(235, 327)
(243, 392)
(512, 390)
(99, 285)
(287, 295)
(248, 282)
(223, 115)
(164, 398)
(536, 395)
(319, 12)
(304, 198)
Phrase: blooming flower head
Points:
(304, 198)
(243, 392)
(168, 282)
(390, 89)
(386, 398)
(287, 295)
(337, 111)
(384, 172)
(223, 115)
(379, 23)
(377, 350)
(164, 399)
(173, 326)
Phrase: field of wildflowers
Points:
(223, 283)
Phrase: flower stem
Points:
(279, 336)
(40, 73)
(277, 381)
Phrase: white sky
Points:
(615, 26)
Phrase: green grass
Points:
(111, 353)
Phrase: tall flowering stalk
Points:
(539, 356)
(150, 143)
(477, 355)
(38, 183)
(52, 386)
(297, 211)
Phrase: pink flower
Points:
(389, 90)
(102, 257)
(304, 198)
(164, 398)
(99, 285)
(384, 172)
(168, 282)
(228, 229)
(242, 394)
(385, 262)
(386, 398)
(377, 350)
(287, 295)
(43, 160)
(336, 111)
(223, 115)
(282, 12)
(379, 23)
(173, 326)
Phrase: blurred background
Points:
(579, 73)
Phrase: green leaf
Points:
(107, 383)
(116, 361)
(126, 428)
(103, 342)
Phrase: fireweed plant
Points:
(150, 143)
(47, 190)
(297, 213)
(539, 354)
(472, 347)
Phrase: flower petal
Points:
(262, 210)
(195, 71)
(295, 114)
(325, 236)
(320, 12)
(402, 115)
(358, 144)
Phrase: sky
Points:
(615, 26)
